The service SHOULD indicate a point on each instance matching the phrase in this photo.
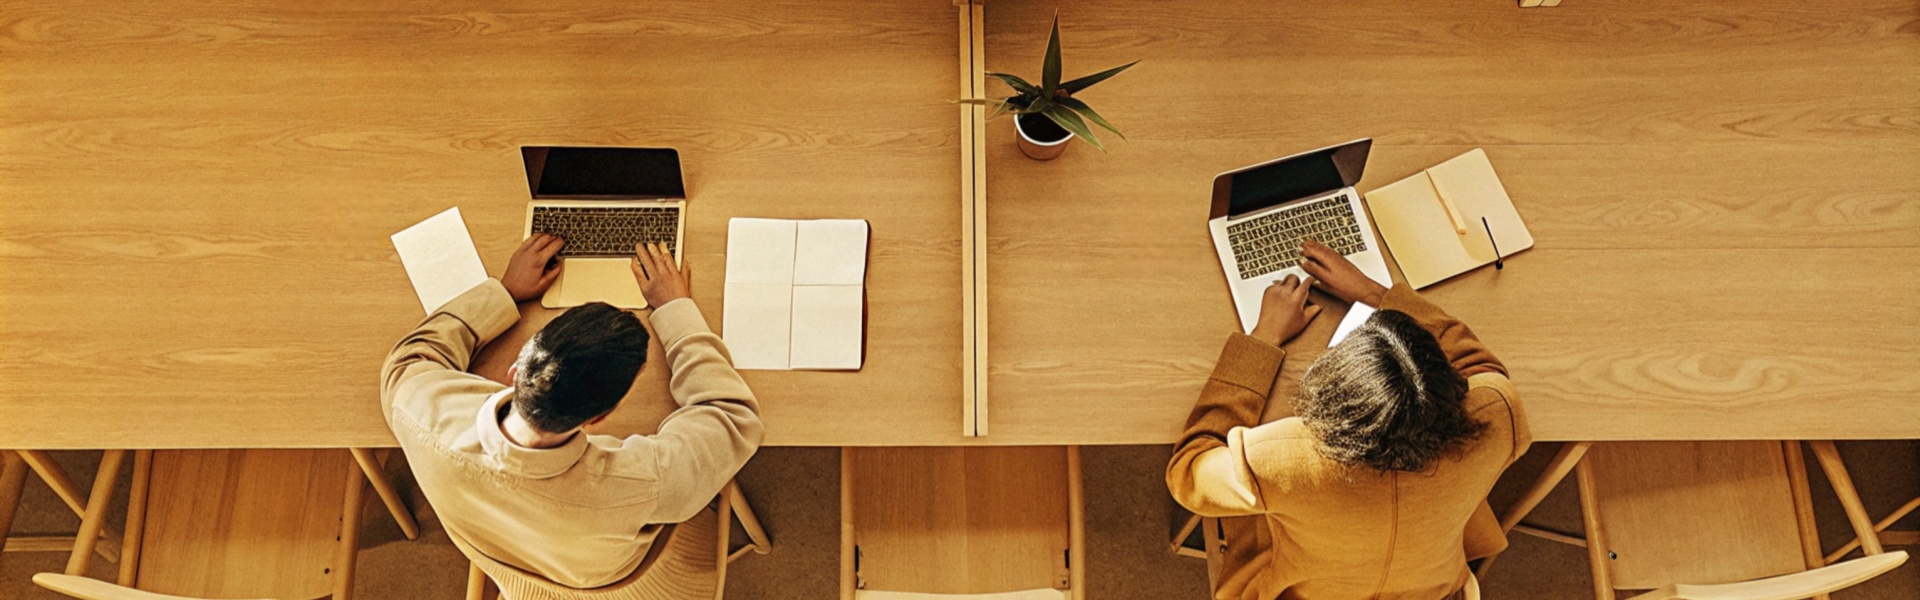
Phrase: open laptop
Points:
(1262, 213)
(602, 201)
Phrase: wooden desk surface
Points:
(195, 201)
(1725, 198)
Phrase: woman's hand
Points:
(1284, 312)
(1338, 275)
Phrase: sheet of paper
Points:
(827, 327)
(830, 252)
(439, 257)
(1356, 317)
(757, 324)
(760, 250)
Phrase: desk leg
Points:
(371, 466)
(69, 493)
(1557, 469)
(1829, 458)
(95, 519)
(13, 478)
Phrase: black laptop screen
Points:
(616, 172)
(1299, 177)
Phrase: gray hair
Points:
(1386, 397)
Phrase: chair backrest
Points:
(1701, 511)
(1036, 594)
(244, 523)
(681, 565)
(1805, 584)
(952, 521)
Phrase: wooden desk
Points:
(195, 201)
(1724, 198)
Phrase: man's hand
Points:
(532, 269)
(1338, 275)
(1284, 312)
(660, 281)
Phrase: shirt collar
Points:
(520, 460)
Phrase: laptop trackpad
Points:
(584, 280)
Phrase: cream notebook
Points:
(796, 294)
(1432, 220)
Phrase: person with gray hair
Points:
(1377, 487)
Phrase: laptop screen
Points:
(604, 172)
(1285, 181)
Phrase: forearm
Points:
(1464, 350)
(701, 447)
(1207, 474)
(717, 429)
(448, 338)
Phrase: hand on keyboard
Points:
(1338, 275)
(533, 268)
(660, 280)
(1284, 312)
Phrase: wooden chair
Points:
(224, 524)
(1898, 537)
(1213, 546)
(1887, 538)
(1724, 511)
(982, 522)
(14, 465)
(687, 561)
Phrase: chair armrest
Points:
(94, 589)
(1831, 578)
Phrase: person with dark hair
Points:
(1377, 487)
(512, 472)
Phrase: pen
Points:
(1497, 263)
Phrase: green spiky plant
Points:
(1053, 98)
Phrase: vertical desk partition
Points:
(973, 217)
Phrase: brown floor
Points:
(796, 491)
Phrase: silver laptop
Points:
(603, 201)
(1262, 213)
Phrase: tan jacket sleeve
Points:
(1464, 350)
(1209, 473)
(717, 428)
(445, 342)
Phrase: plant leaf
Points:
(1088, 81)
(1018, 84)
(1039, 104)
(1000, 109)
(1087, 111)
(1050, 70)
(1065, 118)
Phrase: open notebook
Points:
(796, 294)
(1433, 221)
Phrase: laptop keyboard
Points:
(1271, 242)
(608, 231)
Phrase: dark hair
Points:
(1386, 397)
(579, 367)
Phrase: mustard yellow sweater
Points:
(1333, 531)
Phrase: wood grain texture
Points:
(969, 520)
(1725, 198)
(1695, 512)
(198, 197)
(246, 523)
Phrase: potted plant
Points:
(1047, 116)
